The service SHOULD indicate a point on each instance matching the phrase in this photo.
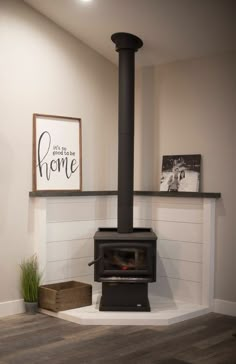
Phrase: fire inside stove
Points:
(125, 259)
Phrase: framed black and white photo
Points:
(181, 173)
(57, 159)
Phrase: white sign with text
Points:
(56, 153)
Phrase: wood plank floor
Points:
(42, 339)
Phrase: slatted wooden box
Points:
(65, 296)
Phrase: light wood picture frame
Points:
(57, 153)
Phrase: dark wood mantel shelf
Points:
(68, 193)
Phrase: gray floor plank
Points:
(40, 339)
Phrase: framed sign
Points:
(57, 159)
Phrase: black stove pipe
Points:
(126, 44)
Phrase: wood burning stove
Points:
(125, 257)
(125, 263)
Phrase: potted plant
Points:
(30, 280)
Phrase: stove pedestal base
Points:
(124, 297)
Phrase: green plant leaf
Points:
(30, 279)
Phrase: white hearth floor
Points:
(163, 312)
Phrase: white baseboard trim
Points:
(11, 308)
(225, 307)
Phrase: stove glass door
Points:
(125, 258)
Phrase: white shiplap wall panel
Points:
(77, 267)
(56, 270)
(179, 269)
(170, 201)
(84, 208)
(181, 250)
(179, 231)
(80, 248)
(177, 289)
(58, 231)
(142, 223)
(178, 223)
(68, 269)
(61, 250)
(57, 251)
(167, 212)
(71, 225)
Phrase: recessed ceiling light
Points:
(86, 1)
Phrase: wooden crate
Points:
(65, 296)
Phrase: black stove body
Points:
(125, 264)
(125, 257)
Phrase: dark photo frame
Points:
(181, 173)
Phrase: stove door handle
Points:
(95, 261)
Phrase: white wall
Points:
(45, 70)
(189, 108)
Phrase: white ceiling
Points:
(170, 29)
